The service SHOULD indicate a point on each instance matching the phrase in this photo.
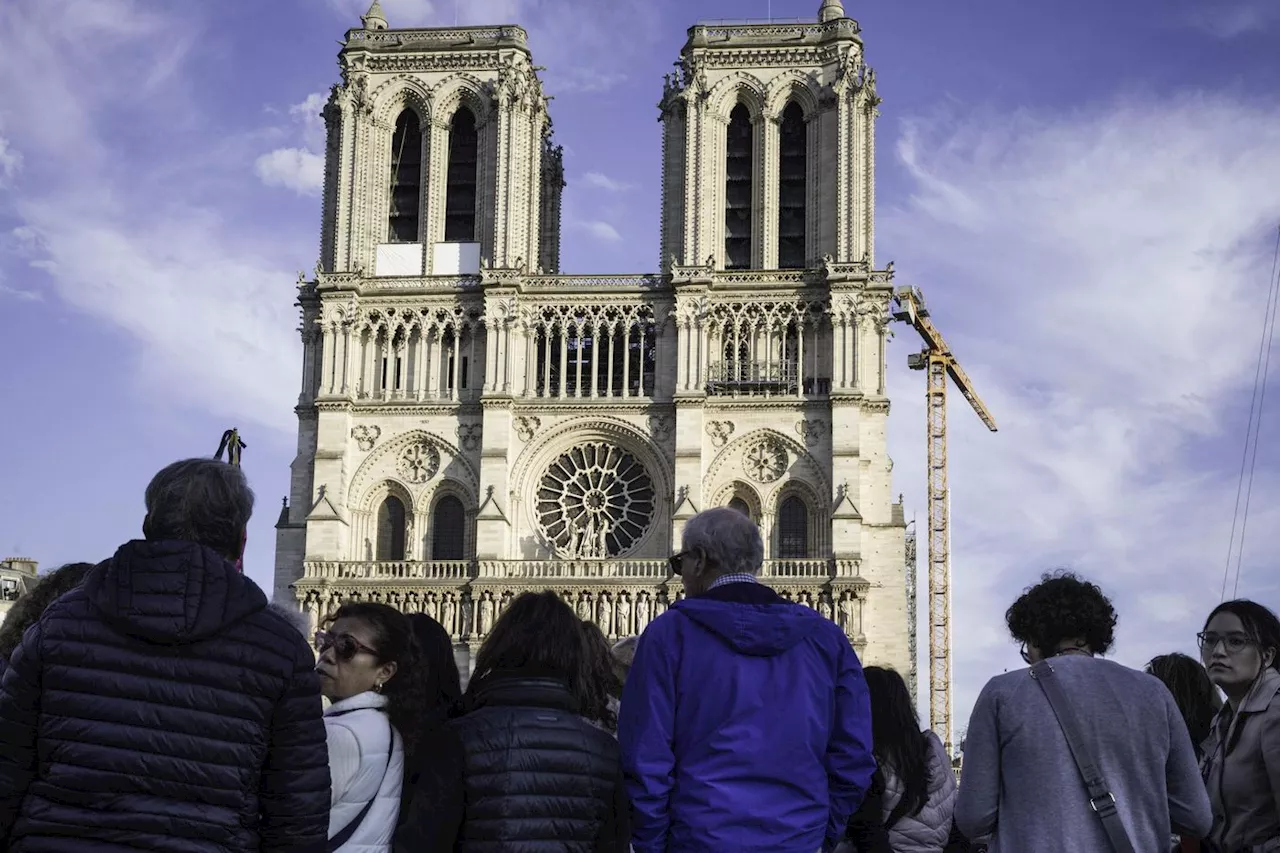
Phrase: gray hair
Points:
(200, 500)
(730, 540)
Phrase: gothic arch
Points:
(802, 466)
(792, 85)
(743, 491)
(817, 516)
(739, 87)
(457, 89)
(538, 456)
(404, 91)
(448, 489)
(379, 465)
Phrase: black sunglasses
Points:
(345, 647)
(675, 561)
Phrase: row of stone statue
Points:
(619, 613)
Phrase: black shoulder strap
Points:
(1101, 799)
(344, 835)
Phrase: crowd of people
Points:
(157, 701)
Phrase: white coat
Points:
(360, 736)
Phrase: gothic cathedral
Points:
(473, 423)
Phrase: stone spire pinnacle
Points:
(374, 19)
(831, 10)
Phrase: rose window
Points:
(418, 463)
(595, 501)
(766, 461)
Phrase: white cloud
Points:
(293, 168)
(1230, 19)
(599, 181)
(1100, 275)
(600, 230)
(10, 162)
(20, 294)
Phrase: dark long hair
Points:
(899, 745)
(27, 609)
(1194, 694)
(406, 692)
(1260, 623)
(604, 679)
(443, 684)
(539, 635)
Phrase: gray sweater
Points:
(1020, 784)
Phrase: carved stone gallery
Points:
(474, 423)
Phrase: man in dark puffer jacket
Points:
(163, 706)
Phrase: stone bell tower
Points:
(769, 146)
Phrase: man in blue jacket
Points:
(162, 705)
(745, 722)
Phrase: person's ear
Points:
(1268, 658)
(146, 526)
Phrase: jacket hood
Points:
(171, 593)
(759, 630)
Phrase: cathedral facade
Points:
(473, 423)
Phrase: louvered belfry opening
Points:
(404, 216)
(448, 530)
(739, 190)
(391, 528)
(793, 150)
(464, 162)
(793, 530)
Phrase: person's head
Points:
(538, 635)
(624, 652)
(443, 683)
(203, 501)
(27, 609)
(1192, 691)
(895, 732)
(1062, 613)
(1240, 639)
(370, 646)
(604, 680)
(717, 542)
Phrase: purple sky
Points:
(1088, 198)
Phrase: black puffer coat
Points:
(162, 706)
(538, 777)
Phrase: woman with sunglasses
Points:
(370, 673)
(1240, 647)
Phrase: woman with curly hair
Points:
(536, 770)
(27, 610)
(1021, 784)
(370, 672)
(1240, 647)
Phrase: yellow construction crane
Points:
(939, 362)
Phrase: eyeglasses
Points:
(345, 646)
(1026, 656)
(676, 562)
(1234, 643)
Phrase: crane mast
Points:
(939, 364)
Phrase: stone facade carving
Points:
(544, 431)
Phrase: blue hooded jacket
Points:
(745, 725)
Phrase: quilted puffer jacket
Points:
(928, 831)
(537, 777)
(163, 707)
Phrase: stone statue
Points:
(575, 541)
(846, 613)
(447, 611)
(642, 612)
(624, 615)
(606, 614)
(466, 614)
(505, 603)
(429, 607)
(806, 600)
(824, 606)
(584, 606)
(659, 605)
(602, 544)
(486, 614)
(587, 548)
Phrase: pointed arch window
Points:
(793, 154)
(740, 505)
(739, 190)
(793, 529)
(464, 162)
(391, 527)
(448, 530)
(406, 180)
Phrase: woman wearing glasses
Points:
(370, 672)
(1239, 645)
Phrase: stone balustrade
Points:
(656, 571)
